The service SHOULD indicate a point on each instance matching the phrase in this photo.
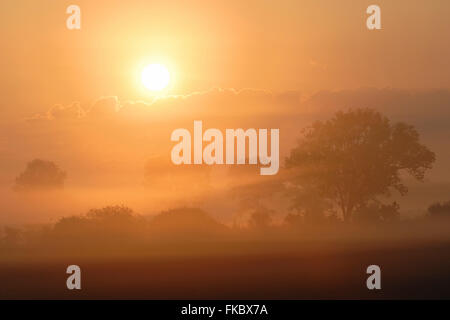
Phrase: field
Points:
(321, 270)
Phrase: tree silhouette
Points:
(104, 221)
(355, 157)
(260, 218)
(40, 174)
(308, 204)
(374, 212)
(439, 210)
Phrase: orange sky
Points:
(290, 45)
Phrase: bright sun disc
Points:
(155, 77)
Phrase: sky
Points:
(291, 45)
(76, 97)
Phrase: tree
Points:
(186, 223)
(374, 212)
(12, 236)
(309, 206)
(40, 174)
(110, 219)
(260, 218)
(355, 157)
(439, 210)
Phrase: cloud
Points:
(429, 110)
(419, 106)
(390, 100)
(212, 102)
(57, 112)
(72, 111)
(104, 107)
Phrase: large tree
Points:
(355, 157)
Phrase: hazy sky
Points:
(277, 46)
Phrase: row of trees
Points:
(117, 225)
(340, 167)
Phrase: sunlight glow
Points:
(155, 77)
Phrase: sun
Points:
(155, 77)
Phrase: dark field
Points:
(332, 271)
